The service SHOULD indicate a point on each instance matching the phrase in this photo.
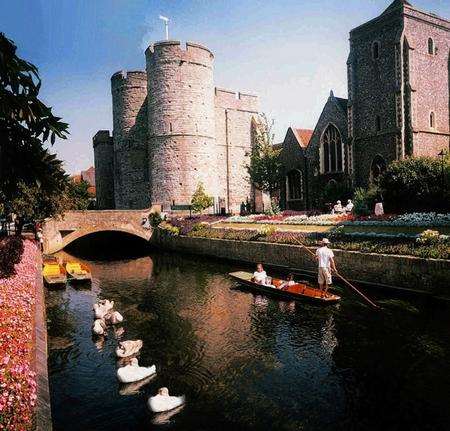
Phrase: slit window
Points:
(431, 46)
(376, 50)
(432, 120)
(377, 123)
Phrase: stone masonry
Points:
(172, 130)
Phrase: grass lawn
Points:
(347, 229)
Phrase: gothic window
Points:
(294, 185)
(376, 50)
(432, 120)
(377, 123)
(431, 50)
(332, 150)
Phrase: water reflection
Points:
(244, 361)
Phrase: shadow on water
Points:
(108, 245)
(244, 361)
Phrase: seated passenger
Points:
(260, 276)
(349, 206)
(337, 209)
(289, 282)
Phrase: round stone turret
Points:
(129, 97)
(181, 121)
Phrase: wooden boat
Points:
(299, 291)
(54, 274)
(77, 271)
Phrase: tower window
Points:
(432, 120)
(376, 50)
(431, 49)
(377, 123)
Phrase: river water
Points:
(245, 362)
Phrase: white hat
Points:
(338, 202)
(325, 241)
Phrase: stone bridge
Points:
(60, 232)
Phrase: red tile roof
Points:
(303, 136)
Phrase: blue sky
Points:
(289, 52)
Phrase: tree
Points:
(78, 194)
(26, 124)
(265, 167)
(200, 200)
(417, 184)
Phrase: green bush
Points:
(417, 184)
(155, 219)
(364, 200)
(200, 200)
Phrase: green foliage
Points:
(78, 195)
(169, 229)
(417, 184)
(364, 200)
(155, 219)
(265, 168)
(25, 125)
(200, 200)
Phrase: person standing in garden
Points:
(325, 259)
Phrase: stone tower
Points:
(398, 88)
(104, 169)
(129, 93)
(181, 121)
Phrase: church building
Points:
(398, 106)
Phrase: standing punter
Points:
(325, 258)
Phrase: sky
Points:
(290, 53)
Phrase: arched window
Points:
(376, 50)
(430, 46)
(377, 123)
(377, 168)
(294, 185)
(332, 150)
(432, 120)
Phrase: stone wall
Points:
(429, 275)
(429, 78)
(233, 117)
(374, 84)
(129, 92)
(180, 121)
(104, 169)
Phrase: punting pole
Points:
(341, 277)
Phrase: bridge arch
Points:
(60, 232)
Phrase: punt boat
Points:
(298, 291)
(78, 271)
(54, 274)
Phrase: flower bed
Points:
(405, 220)
(17, 380)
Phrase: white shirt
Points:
(260, 277)
(324, 254)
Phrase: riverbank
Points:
(425, 276)
(24, 399)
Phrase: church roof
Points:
(342, 103)
(303, 136)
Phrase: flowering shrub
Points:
(169, 229)
(17, 380)
(428, 237)
(186, 224)
(266, 230)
